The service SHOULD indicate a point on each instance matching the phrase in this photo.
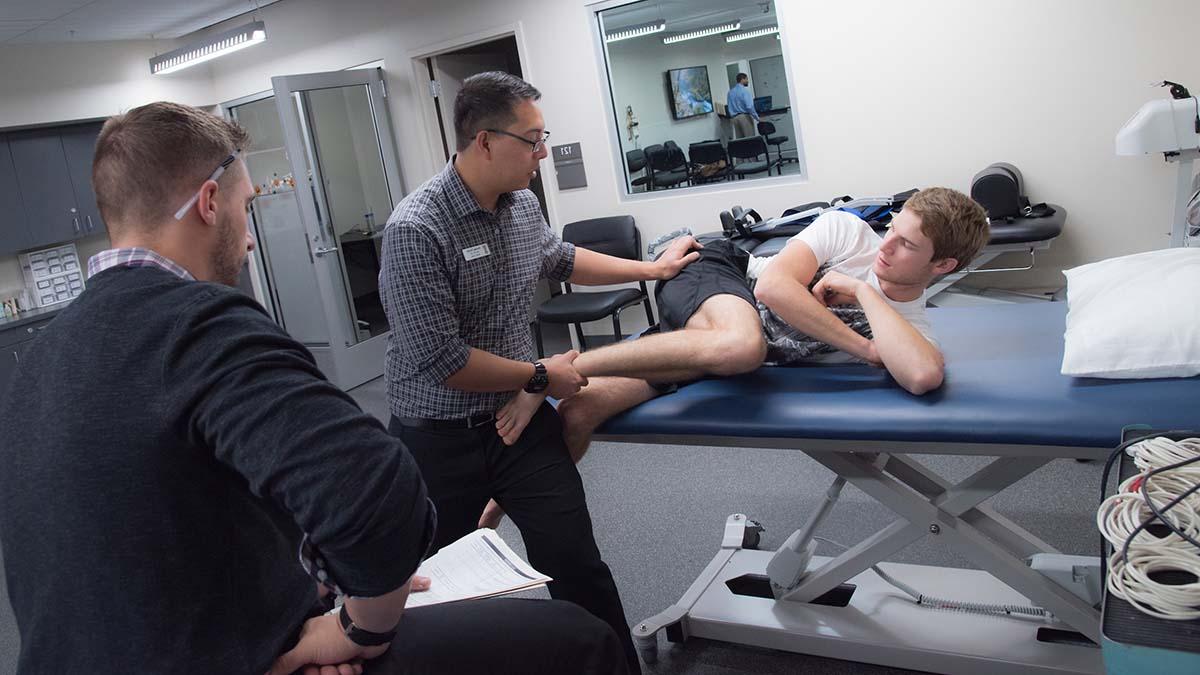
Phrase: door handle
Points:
(324, 250)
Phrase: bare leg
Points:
(492, 515)
(601, 399)
(723, 337)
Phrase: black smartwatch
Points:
(360, 637)
(540, 380)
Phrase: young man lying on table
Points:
(838, 292)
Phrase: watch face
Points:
(537, 383)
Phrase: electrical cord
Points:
(953, 605)
(1108, 464)
(1169, 477)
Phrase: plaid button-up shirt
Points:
(134, 257)
(455, 276)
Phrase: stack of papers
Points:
(480, 565)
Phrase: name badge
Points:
(476, 252)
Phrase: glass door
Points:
(343, 166)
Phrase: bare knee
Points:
(734, 351)
(579, 415)
(571, 412)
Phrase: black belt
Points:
(460, 423)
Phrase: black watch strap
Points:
(540, 380)
(359, 636)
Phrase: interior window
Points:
(700, 93)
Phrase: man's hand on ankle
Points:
(565, 381)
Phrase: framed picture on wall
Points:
(690, 95)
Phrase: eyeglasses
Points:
(536, 145)
(212, 176)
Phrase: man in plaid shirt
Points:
(461, 257)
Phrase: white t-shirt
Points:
(845, 243)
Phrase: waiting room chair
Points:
(768, 128)
(709, 153)
(615, 236)
(748, 150)
(636, 161)
(668, 166)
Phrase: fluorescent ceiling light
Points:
(637, 31)
(703, 32)
(753, 34)
(209, 48)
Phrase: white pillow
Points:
(1137, 316)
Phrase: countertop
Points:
(30, 316)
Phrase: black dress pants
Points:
(506, 636)
(538, 486)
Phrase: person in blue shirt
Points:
(739, 105)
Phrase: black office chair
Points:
(709, 153)
(668, 166)
(636, 161)
(648, 153)
(748, 150)
(768, 128)
(616, 236)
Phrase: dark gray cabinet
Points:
(45, 186)
(10, 357)
(14, 228)
(53, 170)
(14, 342)
(79, 147)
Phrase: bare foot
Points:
(492, 515)
(515, 415)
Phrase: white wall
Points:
(939, 90)
(44, 83)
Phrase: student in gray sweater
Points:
(170, 453)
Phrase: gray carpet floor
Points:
(659, 513)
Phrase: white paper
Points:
(480, 565)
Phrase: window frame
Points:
(625, 192)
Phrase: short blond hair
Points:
(151, 159)
(956, 224)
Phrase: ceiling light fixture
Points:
(703, 32)
(637, 31)
(209, 48)
(753, 34)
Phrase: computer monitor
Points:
(762, 103)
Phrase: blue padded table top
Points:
(1002, 386)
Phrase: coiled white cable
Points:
(1130, 579)
(1168, 480)
(1155, 453)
